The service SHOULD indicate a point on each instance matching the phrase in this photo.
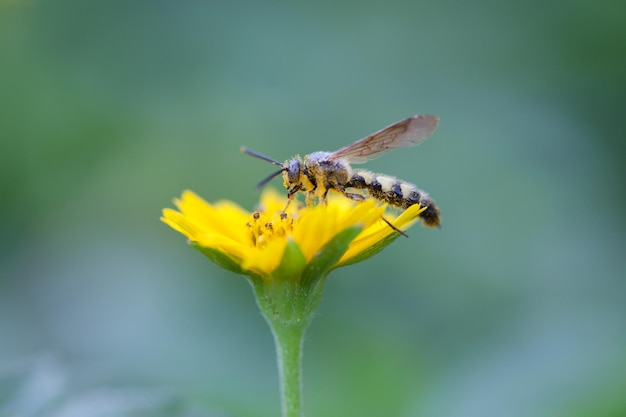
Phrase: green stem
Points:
(289, 341)
(288, 307)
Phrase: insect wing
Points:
(408, 132)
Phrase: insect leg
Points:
(354, 196)
(394, 227)
(351, 196)
(325, 194)
(309, 198)
(290, 195)
(287, 205)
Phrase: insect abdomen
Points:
(396, 193)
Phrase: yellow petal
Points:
(257, 241)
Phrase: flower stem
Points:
(289, 341)
(288, 307)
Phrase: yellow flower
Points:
(264, 241)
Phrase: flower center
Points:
(264, 227)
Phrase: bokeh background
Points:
(108, 110)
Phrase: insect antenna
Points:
(268, 159)
(268, 179)
(261, 156)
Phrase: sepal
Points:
(291, 264)
(219, 258)
(369, 252)
(323, 261)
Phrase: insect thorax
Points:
(325, 173)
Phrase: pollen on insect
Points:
(318, 173)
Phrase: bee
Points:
(319, 172)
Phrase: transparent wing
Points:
(408, 132)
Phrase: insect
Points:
(319, 172)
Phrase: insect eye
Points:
(293, 171)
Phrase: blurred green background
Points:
(108, 110)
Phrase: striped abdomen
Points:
(396, 193)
